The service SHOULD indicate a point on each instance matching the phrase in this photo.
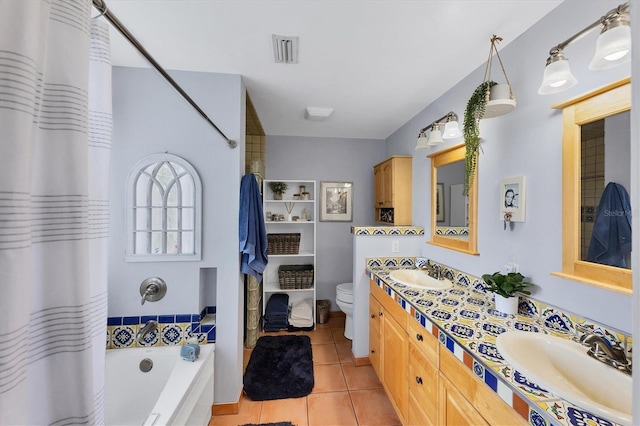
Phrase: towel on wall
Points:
(253, 235)
(611, 237)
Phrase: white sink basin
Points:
(564, 368)
(420, 279)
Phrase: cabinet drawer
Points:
(424, 340)
(389, 305)
(483, 398)
(423, 382)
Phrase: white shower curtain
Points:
(55, 144)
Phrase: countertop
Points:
(464, 320)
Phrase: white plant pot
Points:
(500, 101)
(507, 305)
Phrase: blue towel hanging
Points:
(252, 231)
(611, 237)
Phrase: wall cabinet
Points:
(427, 385)
(392, 190)
(291, 215)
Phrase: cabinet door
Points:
(375, 316)
(378, 185)
(455, 409)
(387, 184)
(394, 363)
(423, 387)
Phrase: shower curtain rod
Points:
(113, 20)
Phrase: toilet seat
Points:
(344, 292)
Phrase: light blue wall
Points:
(525, 142)
(150, 117)
(330, 159)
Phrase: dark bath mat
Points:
(280, 367)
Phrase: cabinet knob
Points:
(419, 380)
(372, 351)
(380, 313)
(419, 337)
(373, 315)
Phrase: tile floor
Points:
(343, 394)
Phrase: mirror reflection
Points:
(605, 211)
(452, 206)
(453, 215)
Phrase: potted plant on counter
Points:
(506, 289)
(278, 188)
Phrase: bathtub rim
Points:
(180, 383)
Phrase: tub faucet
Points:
(149, 327)
(610, 355)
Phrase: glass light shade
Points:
(613, 48)
(451, 130)
(435, 137)
(422, 141)
(557, 77)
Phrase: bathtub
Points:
(173, 392)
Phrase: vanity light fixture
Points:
(436, 137)
(613, 48)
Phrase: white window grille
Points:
(163, 210)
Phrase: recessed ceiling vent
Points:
(285, 49)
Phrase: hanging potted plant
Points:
(500, 102)
(278, 188)
(506, 289)
(474, 111)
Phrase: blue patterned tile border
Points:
(173, 329)
(453, 325)
(387, 230)
(452, 230)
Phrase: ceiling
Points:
(377, 63)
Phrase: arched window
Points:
(163, 210)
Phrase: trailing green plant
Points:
(278, 187)
(506, 285)
(473, 113)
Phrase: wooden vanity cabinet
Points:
(423, 376)
(480, 400)
(375, 327)
(426, 383)
(454, 407)
(393, 348)
(392, 190)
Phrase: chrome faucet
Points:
(433, 270)
(149, 327)
(599, 349)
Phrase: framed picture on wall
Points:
(512, 199)
(336, 201)
(440, 202)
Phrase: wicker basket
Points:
(295, 276)
(283, 243)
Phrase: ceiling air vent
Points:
(285, 49)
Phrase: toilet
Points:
(344, 300)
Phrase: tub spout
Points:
(149, 327)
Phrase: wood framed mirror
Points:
(594, 247)
(453, 215)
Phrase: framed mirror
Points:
(453, 215)
(596, 211)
